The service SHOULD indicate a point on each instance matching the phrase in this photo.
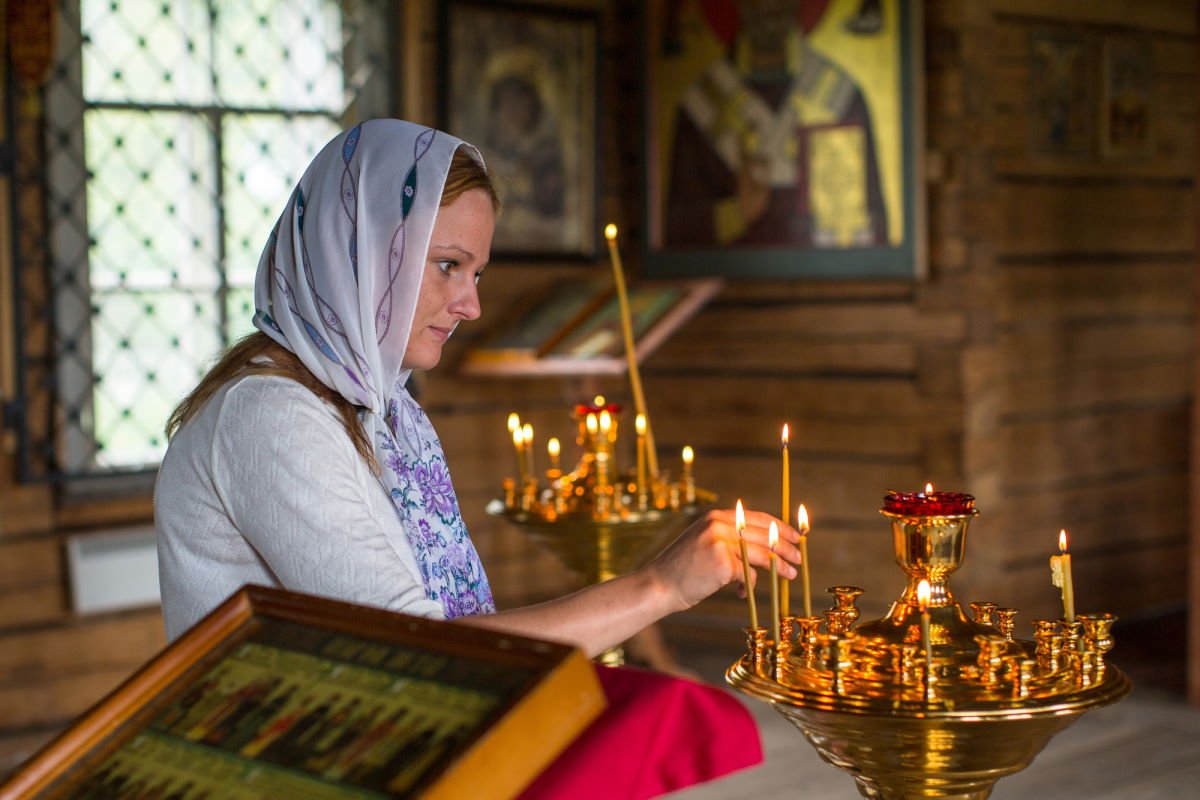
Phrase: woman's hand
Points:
(704, 558)
(707, 556)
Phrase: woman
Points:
(301, 460)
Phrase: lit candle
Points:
(689, 481)
(553, 448)
(518, 437)
(527, 441)
(923, 595)
(593, 425)
(786, 478)
(785, 585)
(639, 425)
(1060, 574)
(635, 379)
(740, 524)
(606, 426)
(802, 526)
(514, 427)
(772, 540)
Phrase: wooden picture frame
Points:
(785, 144)
(587, 340)
(1061, 92)
(1126, 98)
(282, 694)
(520, 82)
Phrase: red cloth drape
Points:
(657, 735)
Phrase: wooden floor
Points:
(1146, 747)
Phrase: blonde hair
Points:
(243, 357)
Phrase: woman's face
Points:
(459, 248)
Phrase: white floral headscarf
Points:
(337, 285)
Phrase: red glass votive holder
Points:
(929, 504)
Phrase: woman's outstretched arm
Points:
(700, 561)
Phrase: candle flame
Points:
(929, 488)
(1062, 542)
(739, 517)
(592, 425)
(514, 422)
(772, 535)
(605, 421)
(518, 437)
(610, 232)
(639, 424)
(923, 595)
(785, 434)
(688, 455)
(553, 447)
(802, 519)
(527, 433)
(598, 400)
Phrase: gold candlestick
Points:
(987, 704)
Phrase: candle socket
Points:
(1081, 666)
(1021, 671)
(807, 630)
(787, 628)
(529, 494)
(904, 663)
(756, 642)
(841, 649)
(1071, 633)
(1049, 643)
(783, 651)
(844, 613)
(983, 612)
(1097, 631)
(1006, 621)
(991, 657)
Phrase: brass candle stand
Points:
(601, 520)
(943, 717)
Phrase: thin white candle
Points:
(803, 527)
(1060, 574)
(740, 524)
(772, 541)
(923, 597)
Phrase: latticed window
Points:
(173, 132)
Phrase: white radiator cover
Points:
(113, 570)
